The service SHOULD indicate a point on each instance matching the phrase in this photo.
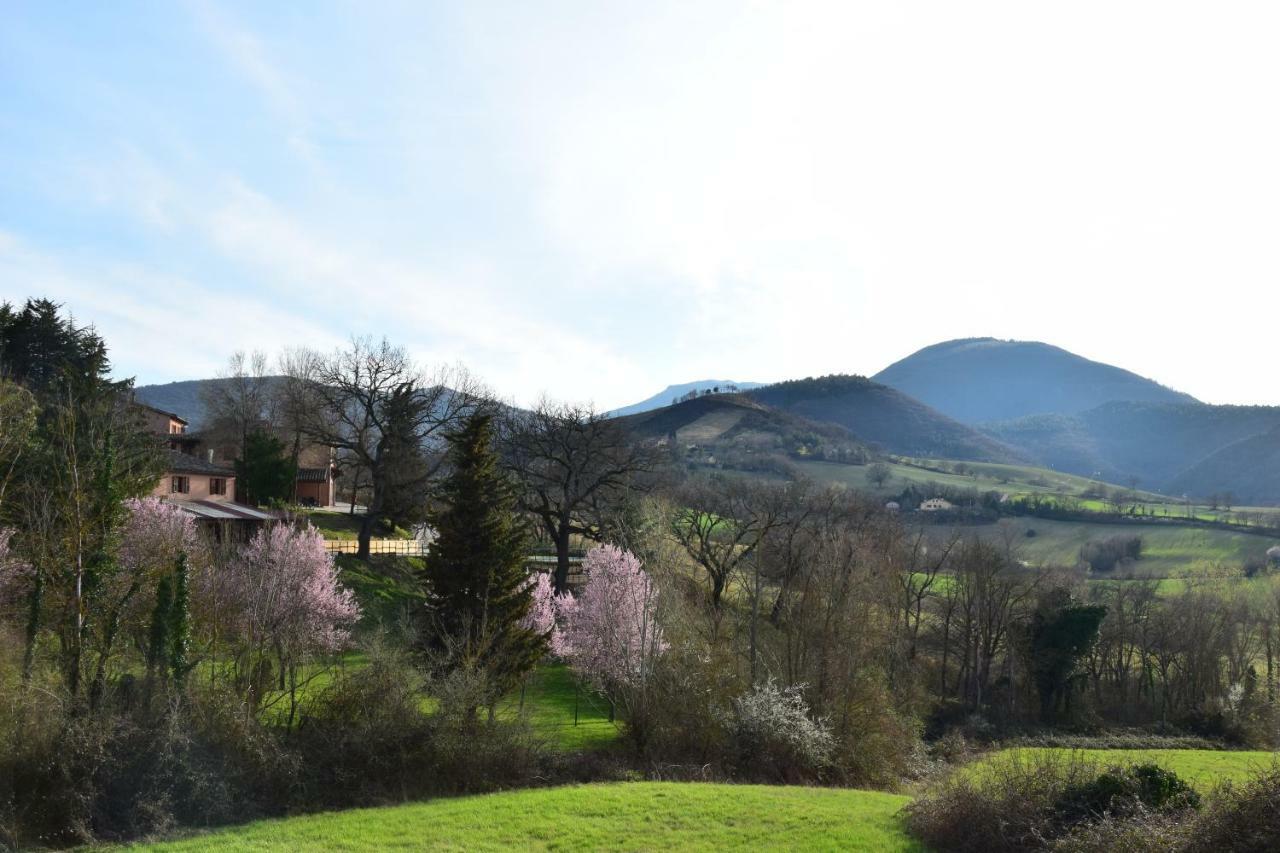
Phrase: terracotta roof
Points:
(185, 463)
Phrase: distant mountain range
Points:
(978, 399)
(976, 380)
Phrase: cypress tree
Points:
(477, 589)
(161, 619)
(180, 622)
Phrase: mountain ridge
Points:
(976, 380)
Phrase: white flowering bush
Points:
(773, 735)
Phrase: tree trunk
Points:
(365, 534)
(562, 559)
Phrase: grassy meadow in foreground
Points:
(630, 816)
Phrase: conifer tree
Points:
(478, 592)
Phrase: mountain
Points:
(1152, 442)
(1249, 469)
(184, 398)
(885, 417)
(736, 431)
(673, 393)
(984, 379)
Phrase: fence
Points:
(540, 561)
(399, 547)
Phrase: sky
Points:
(593, 200)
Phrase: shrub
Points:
(1034, 802)
(1108, 554)
(772, 736)
(366, 735)
(1126, 790)
(1246, 818)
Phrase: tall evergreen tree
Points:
(265, 472)
(477, 589)
(43, 351)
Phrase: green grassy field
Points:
(1015, 481)
(620, 816)
(1008, 479)
(1168, 551)
(1203, 768)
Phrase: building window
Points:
(180, 485)
(217, 486)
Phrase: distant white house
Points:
(935, 505)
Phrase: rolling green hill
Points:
(884, 417)
(984, 379)
(621, 816)
(739, 432)
(1169, 550)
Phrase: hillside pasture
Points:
(617, 816)
(1167, 550)
(1204, 769)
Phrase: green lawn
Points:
(341, 525)
(568, 716)
(1203, 768)
(619, 816)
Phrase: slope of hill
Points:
(737, 431)
(984, 379)
(1249, 469)
(885, 417)
(1152, 442)
(673, 393)
(185, 398)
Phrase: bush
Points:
(365, 734)
(1126, 790)
(772, 736)
(1246, 818)
(1033, 803)
(1108, 554)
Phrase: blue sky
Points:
(593, 200)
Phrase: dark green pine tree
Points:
(265, 473)
(474, 578)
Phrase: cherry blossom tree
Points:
(281, 602)
(541, 618)
(156, 532)
(610, 633)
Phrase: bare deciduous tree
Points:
(573, 464)
(381, 412)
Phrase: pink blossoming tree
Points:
(281, 602)
(541, 618)
(610, 633)
(155, 533)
